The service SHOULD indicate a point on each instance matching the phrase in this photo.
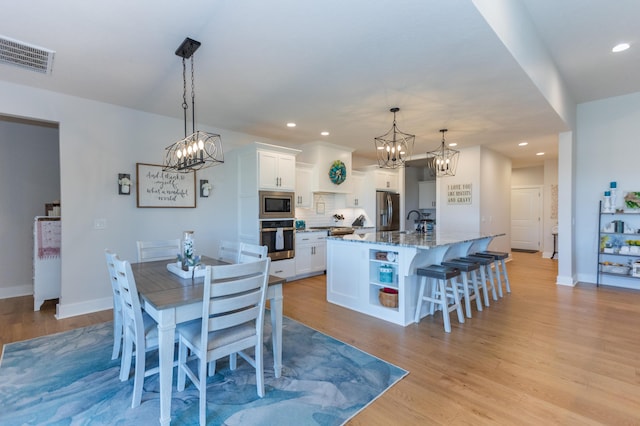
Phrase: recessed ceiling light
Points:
(539, 153)
(453, 144)
(291, 124)
(324, 133)
(620, 47)
(523, 144)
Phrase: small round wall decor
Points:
(337, 172)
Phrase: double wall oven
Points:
(277, 212)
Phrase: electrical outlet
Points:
(100, 223)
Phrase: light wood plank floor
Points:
(544, 354)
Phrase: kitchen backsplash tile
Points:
(333, 204)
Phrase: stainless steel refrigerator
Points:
(387, 211)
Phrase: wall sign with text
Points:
(459, 193)
(157, 188)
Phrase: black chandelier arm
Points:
(185, 106)
(193, 97)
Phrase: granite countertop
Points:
(414, 239)
(311, 230)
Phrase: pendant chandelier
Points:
(200, 149)
(394, 147)
(443, 160)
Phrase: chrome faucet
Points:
(415, 211)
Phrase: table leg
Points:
(275, 303)
(166, 343)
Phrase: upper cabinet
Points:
(427, 194)
(386, 180)
(304, 196)
(277, 170)
(357, 196)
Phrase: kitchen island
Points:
(359, 266)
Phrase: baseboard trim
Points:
(16, 291)
(568, 281)
(88, 307)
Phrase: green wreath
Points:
(338, 172)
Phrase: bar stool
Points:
(440, 293)
(499, 266)
(467, 270)
(486, 276)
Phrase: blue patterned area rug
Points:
(70, 379)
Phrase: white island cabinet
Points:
(359, 266)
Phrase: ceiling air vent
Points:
(24, 55)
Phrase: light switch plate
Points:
(100, 223)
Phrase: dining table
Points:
(171, 299)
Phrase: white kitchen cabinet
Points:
(304, 196)
(357, 195)
(283, 268)
(247, 173)
(276, 170)
(386, 180)
(311, 257)
(427, 194)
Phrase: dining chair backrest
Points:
(251, 252)
(229, 251)
(149, 251)
(131, 309)
(234, 295)
(117, 304)
(111, 257)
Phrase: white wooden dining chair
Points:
(228, 251)
(251, 252)
(117, 305)
(140, 331)
(232, 321)
(149, 251)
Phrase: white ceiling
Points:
(332, 65)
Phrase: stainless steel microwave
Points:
(277, 205)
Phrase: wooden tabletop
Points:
(164, 289)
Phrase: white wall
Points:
(98, 141)
(30, 176)
(460, 217)
(490, 210)
(607, 150)
(495, 202)
(527, 176)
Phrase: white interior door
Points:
(526, 218)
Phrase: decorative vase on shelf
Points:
(606, 205)
(613, 190)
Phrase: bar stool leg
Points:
(456, 301)
(423, 282)
(443, 300)
(493, 283)
(474, 281)
(483, 281)
(506, 277)
(465, 292)
(496, 268)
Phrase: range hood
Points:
(322, 155)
